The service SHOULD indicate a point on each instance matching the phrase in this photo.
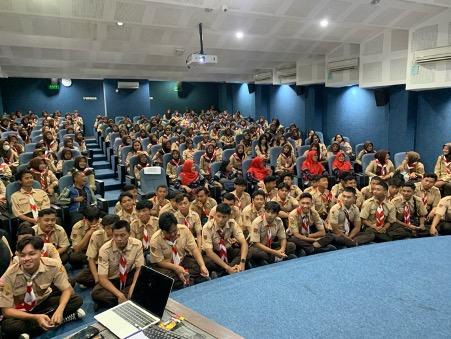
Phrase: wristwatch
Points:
(243, 261)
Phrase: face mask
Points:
(6, 148)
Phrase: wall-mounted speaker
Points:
(251, 88)
(300, 90)
(381, 96)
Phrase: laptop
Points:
(145, 308)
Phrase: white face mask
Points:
(6, 148)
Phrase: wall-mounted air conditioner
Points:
(263, 78)
(432, 55)
(287, 75)
(343, 65)
(127, 85)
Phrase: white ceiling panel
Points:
(81, 37)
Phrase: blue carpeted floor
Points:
(400, 289)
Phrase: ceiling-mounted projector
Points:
(201, 59)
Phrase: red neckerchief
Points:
(237, 157)
(210, 159)
(382, 169)
(174, 162)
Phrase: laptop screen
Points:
(152, 290)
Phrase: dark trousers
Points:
(394, 232)
(260, 257)
(77, 259)
(233, 256)
(105, 298)
(13, 327)
(189, 264)
(65, 257)
(85, 278)
(444, 228)
(308, 246)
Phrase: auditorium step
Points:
(95, 150)
(99, 157)
(111, 196)
(103, 174)
(112, 184)
(102, 164)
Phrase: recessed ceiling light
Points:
(324, 23)
(120, 23)
(239, 35)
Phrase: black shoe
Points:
(213, 274)
(328, 248)
(290, 256)
(301, 253)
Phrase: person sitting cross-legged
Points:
(225, 247)
(28, 304)
(173, 251)
(268, 237)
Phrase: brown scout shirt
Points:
(260, 230)
(58, 236)
(211, 236)
(192, 221)
(21, 202)
(161, 251)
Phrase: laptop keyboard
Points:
(134, 315)
(156, 332)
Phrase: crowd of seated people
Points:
(256, 194)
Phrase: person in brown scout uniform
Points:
(268, 238)
(242, 197)
(378, 213)
(159, 200)
(344, 218)
(120, 261)
(322, 198)
(286, 202)
(48, 251)
(223, 241)
(307, 229)
(410, 213)
(269, 186)
(50, 232)
(29, 305)
(174, 252)
(144, 226)
(442, 219)
(189, 218)
(252, 211)
(172, 206)
(229, 199)
(367, 191)
(128, 203)
(89, 276)
(28, 201)
(295, 191)
(428, 193)
(129, 189)
(81, 234)
(203, 204)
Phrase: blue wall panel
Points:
(243, 101)
(196, 95)
(24, 94)
(127, 102)
(286, 105)
(434, 124)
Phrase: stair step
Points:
(99, 157)
(101, 165)
(104, 173)
(111, 197)
(112, 184)
(96, 150)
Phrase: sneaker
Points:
(83, 287)
(79, 314)
(24, 336)
(213, 274)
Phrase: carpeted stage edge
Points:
(399, 289)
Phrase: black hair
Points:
(272, 206)
(229, 196)
(305, 195)
(180, 197)
(109, 220)
(120, 224)
(348, 177)
(269, 178)
(350, 190)
(171, 195)
(166, 221)
(286, 174)
(383, 184)
(142, 204)
(46, 211)
(161, 186)
(376, 178)
(24, 229)
(203, 188)
(20, 174)
(91, 213)
(431, 175)
(123, 195)
(127, 188)
(283, 185)
(409, 184)
(259, 192)
(224, 209)
(239, 181)
(36, 242)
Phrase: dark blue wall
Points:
(195, 95)
(286, 105)
(126, 102)
(23, 94)
(433, 124)
(243, 101)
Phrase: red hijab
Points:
(342, 166)
(188, 175)
(258, 169)
(314, 167)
